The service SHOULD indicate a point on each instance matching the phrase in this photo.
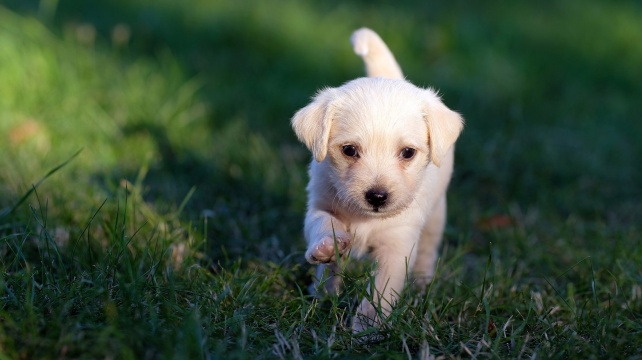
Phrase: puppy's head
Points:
(378, 136)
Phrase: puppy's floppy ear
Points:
(312, 123)
(444, 126)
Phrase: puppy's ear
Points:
(312, 123)
(444, 126)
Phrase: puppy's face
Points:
(378, 136)
(378, 148)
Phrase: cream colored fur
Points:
(379, 116)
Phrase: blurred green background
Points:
(182, 108)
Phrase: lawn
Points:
(152, 192)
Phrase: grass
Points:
(175, 232)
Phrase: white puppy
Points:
(383, 157)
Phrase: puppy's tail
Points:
(379, 60)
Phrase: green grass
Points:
(176, 232)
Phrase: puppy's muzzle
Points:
(377, 198)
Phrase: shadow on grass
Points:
(246, 214)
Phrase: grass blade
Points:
(35, 186)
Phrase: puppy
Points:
(383, 157)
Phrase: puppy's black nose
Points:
(376, 197)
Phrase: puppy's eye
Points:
(350, 150)
(408, 153)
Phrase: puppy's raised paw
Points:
(323, 251)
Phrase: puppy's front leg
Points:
(321, 230)
(394, 259)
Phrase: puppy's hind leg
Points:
(326, 280)
(431, 236)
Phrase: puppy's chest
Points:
(367, 234)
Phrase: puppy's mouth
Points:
(383, 212)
